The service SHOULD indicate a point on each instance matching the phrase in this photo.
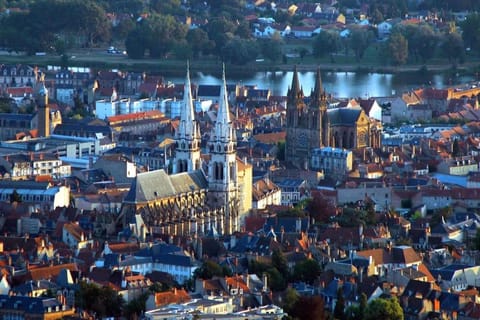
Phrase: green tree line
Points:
(158, 29)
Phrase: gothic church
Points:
(190, 200)
(312, 124)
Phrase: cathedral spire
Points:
(223, 110)
(187, 153)
(318, 94)
(187, 114)
(223, 125)
(295, 92)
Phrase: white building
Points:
(41, 195)
(264, 193)
(293, 191)
(107, 108)
(332, 161)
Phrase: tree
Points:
(243, 30)
(240, 51)
(339, 310)
(320, 208)
(92, 21)
(476, 241)
(135, 44)
(220, 30)
(398, 48)
(359, 41)
(471, 31)
(162, 33)
(182, 50)
(124, 27)
(276, 280)
(422, 41)
(198, 39)
(103, 301)
(385, 309)
(306, 271)
(280, 262)
(15, 197)
(271, 49)
(171, 7)
(357, 312)
(326, 43)
(302, 51)
(309, 308)
(291, 297)
(453, 48)
(208, 270)
(135, 308)
(455, 148)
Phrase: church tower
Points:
(318, 111)
(41, 99)
(296, 146)
(187, 135)
(308, 126)
(222, 168)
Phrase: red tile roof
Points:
(153, 114)
(19, 91)
(175, 296)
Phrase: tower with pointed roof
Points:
(187, 136)
(41, 99)
(307, 124)
(222, 168)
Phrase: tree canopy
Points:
(385, 309)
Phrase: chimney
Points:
(265, 283)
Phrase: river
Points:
(339, 84)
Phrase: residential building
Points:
(461, 166)
(39, 195)
(75, 237)
(332, 161)
(293, 191)
(265, 193)
(19, 307)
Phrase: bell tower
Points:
(41, 99)
(222, 168)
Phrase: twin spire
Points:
(295, 92)
(189, 129)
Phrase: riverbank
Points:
(100, 59)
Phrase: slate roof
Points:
(343, 116)
(205, 90)
(166, 254)
(27, 288)
(157, 250)
(416, 288)
(29, 305)
(157, 184)
(448, 272)
(15, 116)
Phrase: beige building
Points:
(458, 166)
(244, 176)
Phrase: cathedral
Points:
(197, 198)
(312, 124)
